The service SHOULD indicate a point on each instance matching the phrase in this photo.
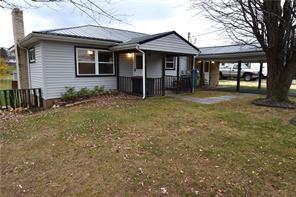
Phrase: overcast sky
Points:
(147, 16)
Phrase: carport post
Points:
(260, 75)
(239, 68)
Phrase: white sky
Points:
(147, 16)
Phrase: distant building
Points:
(11, 57)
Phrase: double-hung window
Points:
(170, 62)
(31, 54)
(94, 62)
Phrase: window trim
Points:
(29, 51)
(174, 63)
(97, 63)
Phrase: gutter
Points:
(33, 37)
(144, 70)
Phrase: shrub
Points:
(84, 93)
(98, 90)
(70, 94)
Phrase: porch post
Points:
(116, 60)
(239, 68)
(260, 75)
(163, 76)
(178, 73)
(178, 67)
(144, 75)
(193, 67)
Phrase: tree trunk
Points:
(279, 79)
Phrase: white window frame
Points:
(96, 61)
(174, 63)
(32, 59)
(98, 54)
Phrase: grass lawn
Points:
(5, 82)
(135, 148)
(251, 84)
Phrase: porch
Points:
(150, 64)
(154, 72)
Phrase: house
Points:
(89, 56)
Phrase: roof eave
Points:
(36, 36)
(256, 55)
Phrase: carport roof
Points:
(232, 53)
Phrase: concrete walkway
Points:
(209, 100)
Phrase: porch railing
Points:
(183, 84)
(134, 85)
(26, 98)
(125, 84)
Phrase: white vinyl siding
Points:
(59, 71)
(154, 65)
(171, 43)
(126, 65)
(36, 69)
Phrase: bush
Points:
(98, 90)
(72, 95)
(84, 93)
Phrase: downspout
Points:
(29, 69)
(144, 70)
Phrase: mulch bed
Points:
(270, 103)
(99, 99)
(15, 114)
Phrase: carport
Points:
(210, 58)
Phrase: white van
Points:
(256, 67)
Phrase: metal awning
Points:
(232, 53)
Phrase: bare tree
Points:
(270, 24)
(94, 9)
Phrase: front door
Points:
(207, 73)
(138, 65)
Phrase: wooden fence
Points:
(26, 98)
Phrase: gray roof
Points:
(138, 40)
(95, 32)
(239, 48)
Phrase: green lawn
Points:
(5, 82)
(134, 148)
(251, 85)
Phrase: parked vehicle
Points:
(230, 71)
(256, 67)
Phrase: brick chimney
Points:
(20, 53)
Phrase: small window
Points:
(170, 62)
(94, 62)
(32, 55)
(139, 62)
